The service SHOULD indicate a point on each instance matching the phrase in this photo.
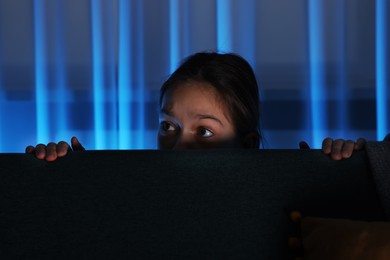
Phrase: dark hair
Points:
(232, 77)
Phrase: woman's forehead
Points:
(195, 98)
(189, 91)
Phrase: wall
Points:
(93, 68)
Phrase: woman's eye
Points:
(167, 127)
(204, 132)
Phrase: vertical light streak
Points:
(1, 105)
(141, 81)
(186, 32)
(174, 29)
(41, 93)
(224, 26)
(342, 98)
(112, 70)
(61, 98)
(381, 91)
(98, 72)
(124, 75)
(247, 15)
(317, 95)
(2, 101)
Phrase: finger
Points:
(51, 152)
(360, 144)
(40, 151)
(336, 149)
(303, 145)
(327, 145)
(30, 149)
(295, 216)
(62, 149)
(76, 144)
(347, 149)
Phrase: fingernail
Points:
(295, 216)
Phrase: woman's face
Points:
(193, 117)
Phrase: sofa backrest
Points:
(176, 205)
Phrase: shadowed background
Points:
(93, 68)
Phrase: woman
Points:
(210, 101)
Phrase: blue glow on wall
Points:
(60, 52)
(111, 85)
(140, 89)
(224, 27)
(93, 68)
(105, 94)
(317, 93)
(342, 96)
(41, 93)
(98, 74)
(381, 79)
(246, 18)
(2, 135)
(1, 110)
(174, 43)
(124, 74)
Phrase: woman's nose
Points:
(184, 142)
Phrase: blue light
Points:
(61, 97)
(186, 30)
(124, 75)
(342, 97)
(111, 84)
(224, 28)
(98, 71)
(1, 111)
(41, 93)
(381, 92)
(141, 81)
(247, 15)
(174, 34)
(317, 92)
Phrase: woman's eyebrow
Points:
(206, 116)
(197, 116)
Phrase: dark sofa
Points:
(231, 204)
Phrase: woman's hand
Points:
(295, 240)
(341, 149)
(338, 149)
(52, 151)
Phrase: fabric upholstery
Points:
(231, 204)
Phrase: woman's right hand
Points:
(52, 151)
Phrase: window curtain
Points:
(93, 68)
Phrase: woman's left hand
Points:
(340, 148)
